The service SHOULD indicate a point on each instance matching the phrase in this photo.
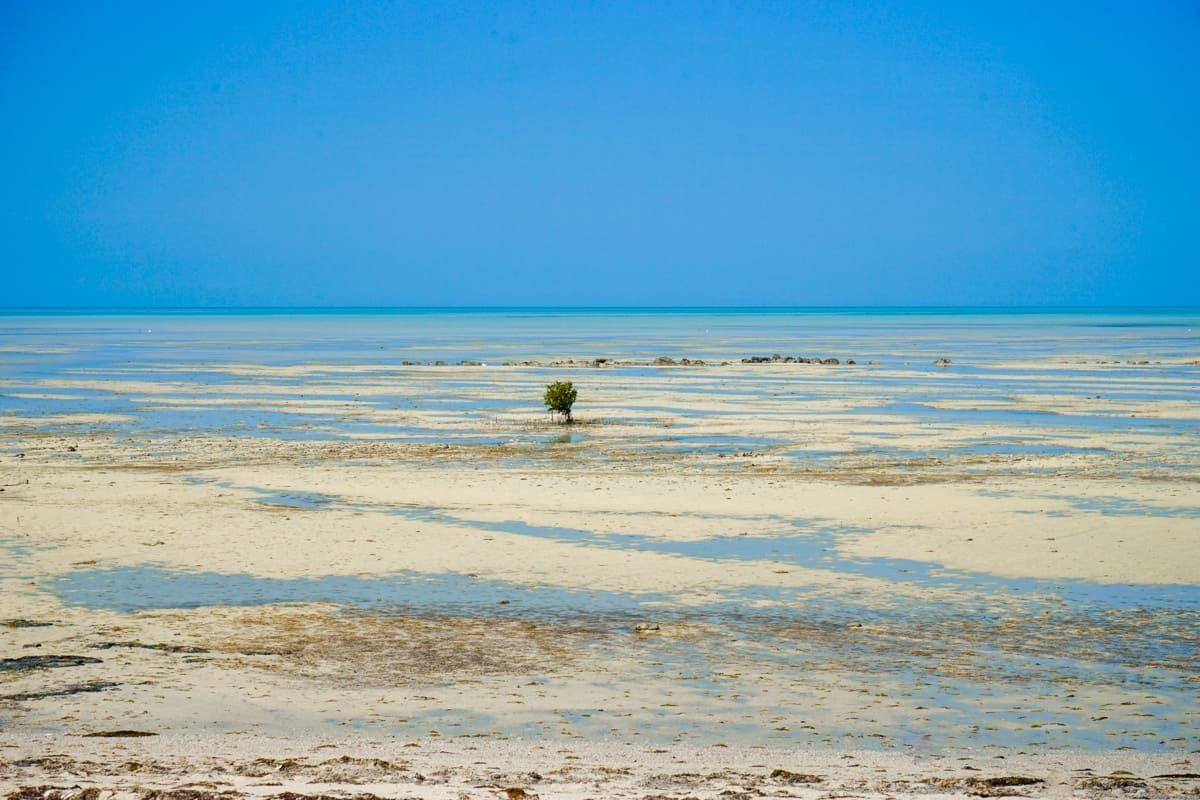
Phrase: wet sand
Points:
(942, 576)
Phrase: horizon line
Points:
(493, 308)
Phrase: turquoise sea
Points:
(46, 339)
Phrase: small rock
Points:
(942, 362)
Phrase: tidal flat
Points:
(962, 573)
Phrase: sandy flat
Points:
(719, 571)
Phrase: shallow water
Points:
(987, 659)
(976, 674)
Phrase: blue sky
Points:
(167, 154)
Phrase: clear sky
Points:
(562, 153)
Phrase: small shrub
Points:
(559, 398)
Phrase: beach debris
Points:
(1117, 780)
(118, 734)
(374, 763)
(983, 787)
(942, 362)
(646, 627)
(786, 776)
(58, 762)
(166, 648)
(263, 766)
(78, 688)
(517, 793)
(20, 622)
(44, 662)
(1004, 781)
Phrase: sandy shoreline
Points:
(231, 766)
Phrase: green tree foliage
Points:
(559, 397)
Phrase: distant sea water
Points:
(38, 341)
